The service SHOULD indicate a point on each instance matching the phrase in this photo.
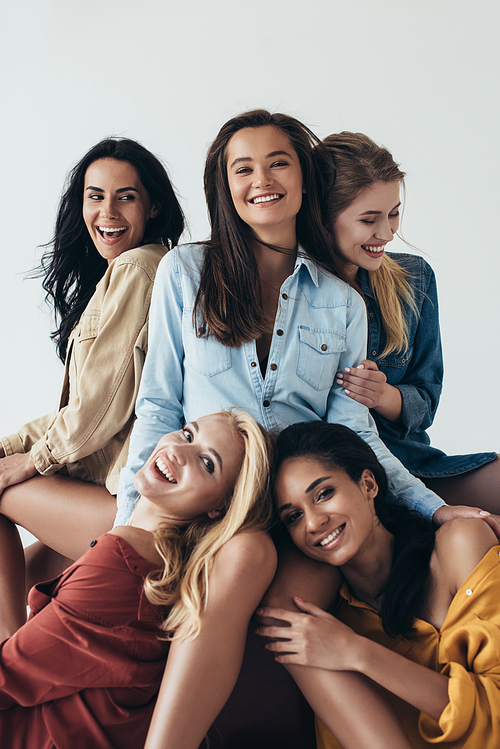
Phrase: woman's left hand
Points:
(449, 512)
(16, 468)
(314, 638)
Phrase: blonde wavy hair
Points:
(189, 550)
(358, 162)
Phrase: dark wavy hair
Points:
(339, 448)
(71, 266)
(228, 303)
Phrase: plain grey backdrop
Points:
(420, 77)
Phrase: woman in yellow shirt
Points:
(418, 613)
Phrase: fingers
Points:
(449, 512)
(365, 384)
(310, 608)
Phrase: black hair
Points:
(71, 266)
(339, 448)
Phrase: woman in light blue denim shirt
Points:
(254, 318)
(401, 378)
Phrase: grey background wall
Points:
(420, 77)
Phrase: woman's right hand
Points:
(368, 385)
(16, 468)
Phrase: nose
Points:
(108, 208)
(385, 230)
(262, 177)
(315, 519)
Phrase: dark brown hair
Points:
(228, 304)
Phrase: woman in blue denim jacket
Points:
(401, 378)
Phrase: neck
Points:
(149, 517)
(367, 572)
(283, 236)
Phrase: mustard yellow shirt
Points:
(466, 649)
(87, 436)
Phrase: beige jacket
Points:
(87, 437)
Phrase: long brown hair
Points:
(228, 303)
(358, 162)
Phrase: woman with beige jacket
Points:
(117, 218)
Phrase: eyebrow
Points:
(307, 491)
(210, 449)
(377, 213)
(120, 189)
(269, 156)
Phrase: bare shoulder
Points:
(140, 540)
(460, 545)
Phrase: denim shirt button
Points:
(279, 332)
(266, 404)
(273, 367)
(370, 314)
(253, 364)
(374, 353)
(324, 347)
(284, 296)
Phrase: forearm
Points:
(390, 404)
(423, 688)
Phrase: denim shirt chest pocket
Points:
(319, 354)
(394, 365)
(206, 356)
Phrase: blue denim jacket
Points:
(320, 327)
(417, 372)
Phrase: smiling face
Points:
(265, 181)
(116, 207)
(363, 229)
(328, 515)
(191, 471)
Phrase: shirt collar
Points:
(364, 282)
(304, 260)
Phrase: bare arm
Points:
(202, 671)
(319, 640)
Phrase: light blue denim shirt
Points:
(320, 328)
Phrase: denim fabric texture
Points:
(320, 327)
(417, 372)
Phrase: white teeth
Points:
(110, 229)
(162, 466)
(373, 249)
(266, 198)
(332, 536)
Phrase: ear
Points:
(369, 484)
(155, 210)
(214, 514)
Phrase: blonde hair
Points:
(189, 550)
(358, 162)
